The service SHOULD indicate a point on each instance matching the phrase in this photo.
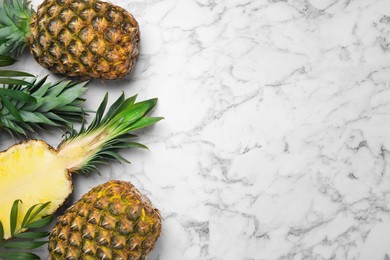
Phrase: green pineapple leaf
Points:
(6, 60)
(15, 19)
(25, 244)
(29, 217)
(109, 132)
(18, 255)
(1, 232)
(24, 108)
(14, 216)
(14, 81)
(40, 222)
(32, 234)
(14, 73)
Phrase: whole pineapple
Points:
(112, 221)
(87, 38)
(34, 172)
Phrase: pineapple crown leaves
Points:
(27, 240)
(123, 117)
(6, 60)
(26, 106)
(15, 17)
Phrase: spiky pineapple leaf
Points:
(14, 73)
(6, 60)
(11, 108)
(14, 81)
(1, 232)
(14, 216)
(32, 234)
(17, 95)
(40, 222)
(144, 122)
(111, 129)
(25, 108)
(25, 244)
(18, 255)
(30, 215)
(15, 18)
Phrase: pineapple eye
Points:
(103, 253)
(103, 66)
(75, 239)
(65, 38)
(66, 15)
(76, 48)
(86, 35)
(100, 7)
(87, 14)
(43, 41)
(133, 243)
(76, 25)
(47, 61)
(77, 68)
(100, 24)
(54, 27)
(88, 232)
(76, 6)
(87, 59)
(55, 50)
(112, 35)
(118, 243)
(112, 15)
(89, 248)
(64, 59)
(53, 10)
(97, 46)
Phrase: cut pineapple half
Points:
(33, 173)
(36, 173)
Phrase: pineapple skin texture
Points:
(112, 221)
(85, 38)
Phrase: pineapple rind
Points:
(112, 221)
(93, 39)
(32, 172)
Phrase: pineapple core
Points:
(37, 175)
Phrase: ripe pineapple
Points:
(112, 221)
(42, 173)
(88, 38)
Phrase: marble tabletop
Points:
(276, 138)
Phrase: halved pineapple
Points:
(37, 173)
(33, 173)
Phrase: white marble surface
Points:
(276, 142)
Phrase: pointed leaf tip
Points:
(14, 216)
(1, 232)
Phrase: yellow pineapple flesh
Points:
(32, 173)
(112, 221)
(92, 38)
